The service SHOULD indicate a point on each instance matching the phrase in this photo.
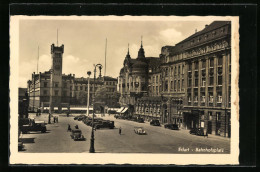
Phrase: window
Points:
(156, 79)
(218, 116)
(190, 67)
(166, 86)
(211, 97)
(203, 99)
(210, 115)
(45, 84)
(175, 85)
(220, 80)
(70, 87)
(189, 97)
(195, 97)
(203, 64)
(182, 83)
(81, 88)
(179, 85)
(189, 82)
(219, 98)
(76, 88)
(196, 65)
(182, 69)
(203, 82)
(65, 85)
(220, 61)
(211, 62)
(175, 70)
(64, 93)
(166, 71)
(56, 85)
(171, 85)
(196, 82)
(179, 70)
(45, 92)
(211, 80)
(56, 92)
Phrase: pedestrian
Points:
(57, 119)
(68, 114)
(76, 126)
(69, 129)
(49, 121)
(205, 133)
(120, 130)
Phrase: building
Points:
(134, 79)
(56, 90)
(190, 85)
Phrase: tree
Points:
(109, 99)
(82, 98)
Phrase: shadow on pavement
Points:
(27, 140)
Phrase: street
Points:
(157, 140)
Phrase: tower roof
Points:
(141, 54)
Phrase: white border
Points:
(122, 158)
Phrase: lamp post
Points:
(92, 149)
(89, 73)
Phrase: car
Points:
(171, 126)
(116, 116)
(155, 122)
(140, 120)
(139, 131)
(34, 126)
(105, 124)
(200, 132)
(77, 135)
(193, 131)
(20, 146)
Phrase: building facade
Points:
(54, 89)
(191, 85)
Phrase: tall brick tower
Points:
(56, 77)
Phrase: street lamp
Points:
(92, 149)
(89, 73)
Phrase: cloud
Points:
(170, 36)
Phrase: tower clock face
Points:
(57, 67)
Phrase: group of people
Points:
(69, 128)
(55, 119)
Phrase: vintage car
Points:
(105, 124)
(20, 146)
(80, 117)
(116, 116)
(140, 131)
(193, 131)
(200, 132)
(77, 135)
(140, 120)
(34, 126)
(155, 123)
(171, 126)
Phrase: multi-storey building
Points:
(134, 79)
(192, 83)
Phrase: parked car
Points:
(171, 126)
(20, 146)
(200, 132)
(140, 131)
(116, 116)
(193, 131)
(140, 120)
(155, 122)
(105, 124)
(35, 126)
(77, 135)
(79, 117)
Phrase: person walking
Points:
(57, 119)
(120, 130)
(69, 129)
(49, 121)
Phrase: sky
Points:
(84, 42)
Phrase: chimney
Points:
(206, 25)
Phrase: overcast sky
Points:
(84, 43)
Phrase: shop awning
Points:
(124, 110)
(120, 110)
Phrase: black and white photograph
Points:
(124, 89)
